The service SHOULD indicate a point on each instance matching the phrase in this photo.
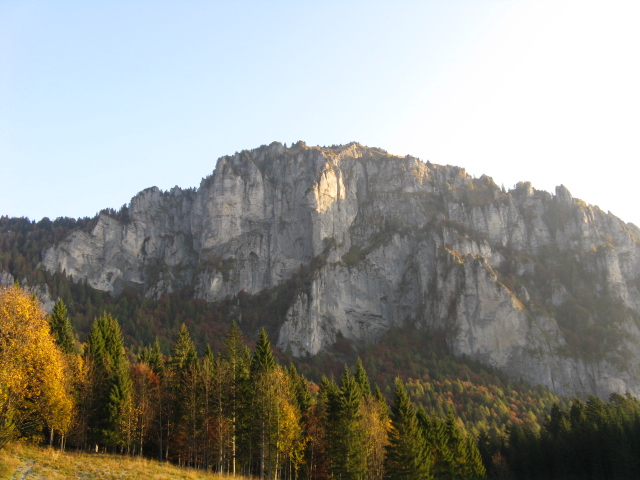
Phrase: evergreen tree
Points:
(347, 449)
(61, 328)
(325, 434)
(435, 431)
(186, 387)
(474, 467)
(212, 387)
(300, 388)
(153, 357)
(236, 393)
(184, 354)
(262, 359)
(466, 461)
(110, 419)
(362, 379)
(263, 402)
(407, 454)
(378, 395)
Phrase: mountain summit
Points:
(541, 286)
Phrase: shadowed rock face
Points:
(543, 287)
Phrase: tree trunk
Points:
(262, 451)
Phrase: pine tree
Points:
(407, 454)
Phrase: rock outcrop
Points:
(40, 291)
(541, 286)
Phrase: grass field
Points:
(26, 462)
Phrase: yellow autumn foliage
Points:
(33, 387)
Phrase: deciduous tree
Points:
(33, 389)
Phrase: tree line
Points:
(236, 410)
(590, 440)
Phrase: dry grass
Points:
(27, 462)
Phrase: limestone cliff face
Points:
(541, 286)
(40, 291)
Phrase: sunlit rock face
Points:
(541, 286)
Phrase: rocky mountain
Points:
(541, 286)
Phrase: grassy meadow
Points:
(27, 462)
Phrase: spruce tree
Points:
(263, 401)
(457, 446)
(384, 408)
(186, 389)
(466, 462)
(362, 378)
(111, 385)
(326, 412)
(153, 357)
(234, 348)
(262, 360)
(348, 451)
(156, 359)
(435, 433)
(238, 359)
(184, 354)
(300, 389)
(61, 328)
(407, 453)
(212, 381)
(474, 466)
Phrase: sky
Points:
(102, 99)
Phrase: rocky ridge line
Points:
(522, 280)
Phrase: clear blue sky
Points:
(101, 99)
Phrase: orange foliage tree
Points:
(34, 394)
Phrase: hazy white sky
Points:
(101, 99)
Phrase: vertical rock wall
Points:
(402, 241)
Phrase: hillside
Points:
(28, 462)
(320, 244)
